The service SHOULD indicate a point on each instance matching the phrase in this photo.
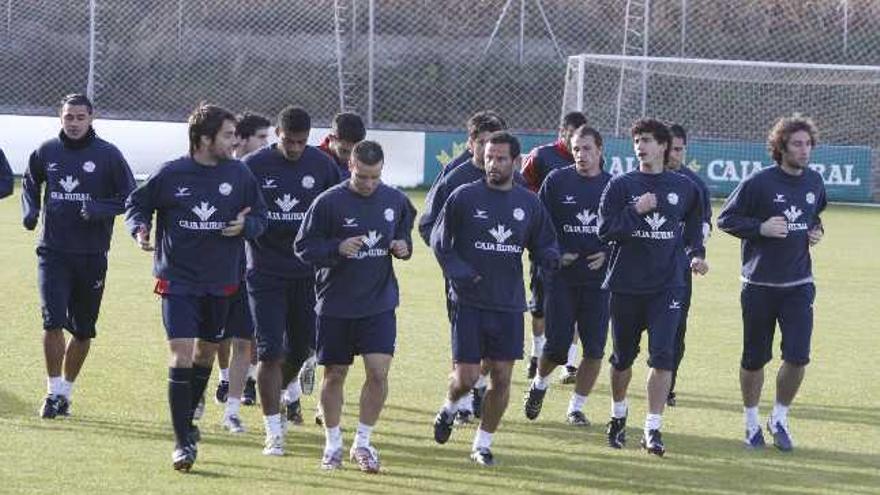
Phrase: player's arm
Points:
(454, 267)
(314, 243)
(31, 186)
(7, 182)
(139, 208)
(123, 185)
(693, 232)
(817, 229)
(541, 241)
(402, 245)
(706, 197)
(434, 201)
(736, 216)
(531, 171)
(617, 218)
(252, 218)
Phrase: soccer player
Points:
(86, 182)
(7, 181)
(238, 384)
(350, 234)
(281, 288)
(480, 126)
(347, 130)
(654, 218)
(204, 203)
(676, 163)
(574, 296)
(537, 165)
(479, 239)
(468, 153)
(776, 213)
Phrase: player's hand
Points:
(142, 236)
(815, 235)
(399, 249)
(646, 203)
(775, 227)
(350, 247)
(699, 266)
(84, 212)
(236, 227)
(568, 258)
(596, 260)
(30, 222)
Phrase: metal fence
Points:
(416, 64)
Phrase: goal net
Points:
(728, 107)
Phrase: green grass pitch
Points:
(119, 438)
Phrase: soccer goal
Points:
(728, 106)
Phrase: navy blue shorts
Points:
(569, 308)
(536, 287)
(659, 313)
(71, 287)
(340, 339)
(188, 316)
(762, 307)
(284, 316)
(479, 334)
(238, 322)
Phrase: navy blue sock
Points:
(179, 396)
(199, 381)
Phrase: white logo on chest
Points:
(286, 202)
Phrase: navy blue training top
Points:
(651, 251)
(288, 188)
(769, 193)
(86, 183)
(193, 204)
(481, 233)
(364, 285)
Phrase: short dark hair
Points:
(485, 121)
(777, 139)
(657, 129)
(77, 99)
(573, 120)
(587, 131)
(368, 152)
(294, 119)
(504, 137)
(677, 131)
(248, 123)
(206, 120)
(349, 126)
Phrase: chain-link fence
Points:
(423, 64)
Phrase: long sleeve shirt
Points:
(464, 173)
(650, 251)
(774, 193)
(543, 160)
(193, 203)
(364, 284)
(573, 203)
(7, 181)
(479, 238)
(78, 187)
(288, 188)
(705, 197)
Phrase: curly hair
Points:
(777, 139)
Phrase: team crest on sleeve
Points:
(519, 214)
(225, 189)
(389, 214)
(308, 182)
(89, 166)
(672, 198)
(811, 197)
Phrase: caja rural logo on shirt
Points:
(69, 183)
(203, 211)
(792, 214)
(286, 203)
(500, 233)
(371, 248)
(654, 221)
(586, 219)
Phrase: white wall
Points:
(146, 145)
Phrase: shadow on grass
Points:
(12, 406)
